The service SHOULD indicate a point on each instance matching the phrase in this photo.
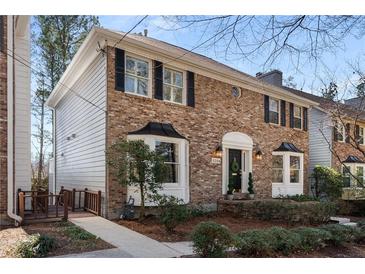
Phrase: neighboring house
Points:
(333, 129)
(15, 114)
(191, 108)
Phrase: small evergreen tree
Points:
(134, 164)
(250, 184)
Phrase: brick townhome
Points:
(189, 107)
(15, 166)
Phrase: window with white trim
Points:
(277, 168)
(353, 169)
(361, 136)
(170, 153)
(274, 110)
(297, 117)
(340, 131)
(173, 85)
(294, 169)
(136, 76)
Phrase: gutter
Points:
(11, 104)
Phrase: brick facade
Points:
(216, 113)
(3, 126)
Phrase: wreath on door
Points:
(235, 166)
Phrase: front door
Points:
(235, 169)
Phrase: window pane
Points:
(346, 176)
(294, 176)
(130, 66)
(172, 173)
(294, 162)
(274, 105)
(167, 76)
(129, 84)
(297, 111)
(277, 161)
(277, 175)
(177, 95)
(167, 150)
(167, 93)
(178, 79)
(142, 69)
(274, 117)
(361, 135)
(142, 87)
(297, 123)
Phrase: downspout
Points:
(11, 95)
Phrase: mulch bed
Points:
(64, 244)
(153, 229)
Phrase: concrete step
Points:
(350, 224)
(340, 220)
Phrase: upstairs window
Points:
(339, 132)
(361, 136)
(136, 76)
(274, 111)
(297, 117)
(172, 85)
(169, 151)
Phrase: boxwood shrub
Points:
(35, 246)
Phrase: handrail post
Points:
(73, 199)
(65, 205)
(21, 205)
(99, 203)
(85, 199)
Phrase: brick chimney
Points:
(274, 77)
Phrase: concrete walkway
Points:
(128, 243)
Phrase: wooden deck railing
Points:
(84, 199)
(42, 205)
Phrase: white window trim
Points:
(342, 131)
(279, 110)
(286, 184)
(353, 167)
(149, 79)
(184, 87)
(181, 188)
(301, 116)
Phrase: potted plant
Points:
(250, 186)
(230, 190)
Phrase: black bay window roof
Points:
(160, 129)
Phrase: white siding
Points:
(319, 152)
(80, 161)
(22, 126)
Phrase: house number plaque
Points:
(216, 160)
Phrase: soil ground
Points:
(65, 244)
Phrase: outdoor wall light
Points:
(258, 154)
(218, 152)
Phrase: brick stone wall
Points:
(3, 127)
(216, 113)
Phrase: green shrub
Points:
(284, 240)
(312, 238)
(254, 242)
(341, 234)
(35, 246)
(77, 233)
(328, 182)
(197, 211)
(301, 198)
(172, 212)
(211, 239)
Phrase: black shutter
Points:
(305, 119)
(119, 69)
(2, 33)
(190, 89)
(266, 108)
(347, 133)
(291, 114)
(158, 80)
(283, 113)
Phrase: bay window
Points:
(353, 174)
(169, 152)
(137, 76)
(287, 173)
(173, 85)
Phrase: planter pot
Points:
(252, 196)
(230, 197)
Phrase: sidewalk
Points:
(128, 243)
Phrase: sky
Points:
(305, 76)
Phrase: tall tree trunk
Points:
(142, 212)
